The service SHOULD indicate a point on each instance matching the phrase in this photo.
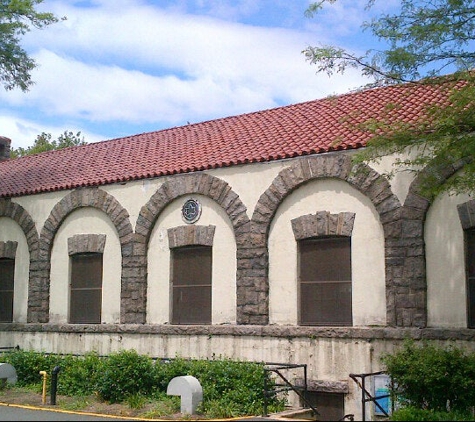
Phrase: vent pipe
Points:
(5, 148)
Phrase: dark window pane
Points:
(192, 305)
(471, 303)
(470, 264)
(325, 290)
(86, 270)
(326, 303)
(86, 306)
(325, 259)
(191, 265)
(191, 285)
(7, 274)
(86, 289)
(470, 241)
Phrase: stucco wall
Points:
(223, 263)
(367, 251)
(446, 278)
(10, 231)
(407, 257)
(333, 189)
(85, 221)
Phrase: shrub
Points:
(79, 374)
(230, 388)
(28, 365)
(123, 374)
(433, 378)
(415, 414)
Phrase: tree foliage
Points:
(17, 17)
(429, 377)
(44, 142)
(429, 42)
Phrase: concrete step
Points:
(303, 414)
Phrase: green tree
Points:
(428, 42)
(44, 142)
(17, 17)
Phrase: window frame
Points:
(90, 290)
(469, 241)
(177, 314)
(7, 293)
(324, 319)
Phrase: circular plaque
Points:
(191, 211)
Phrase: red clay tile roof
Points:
(311, 127)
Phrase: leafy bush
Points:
(125, 373)
(432, 378)
(28, 365)
(415, 414)
(230, 388)
(79, 374)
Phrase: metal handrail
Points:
(287, 386)
(366, 395)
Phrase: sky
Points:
(117, 68)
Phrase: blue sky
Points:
(116, 68)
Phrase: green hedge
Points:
(432, 381)
(230, 388)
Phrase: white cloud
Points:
(23, 132)
(130, 61)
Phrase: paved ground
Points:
(9, 412)
(27, 413)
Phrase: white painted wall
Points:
(39, 206)
(85, 221)
(443, 234)
(445, 260)
(11, 231)
(367, 251)
(223, 265)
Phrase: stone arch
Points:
(410, 248)
(219, 191)
(38, 306)
(22, 217)
(363, 178)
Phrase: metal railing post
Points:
(54, 383)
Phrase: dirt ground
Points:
(91, 404)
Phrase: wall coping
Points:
(291, 332)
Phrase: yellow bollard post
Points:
(44, 386)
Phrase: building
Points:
(254, 237)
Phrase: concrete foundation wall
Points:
(331, 354)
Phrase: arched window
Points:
(7, 273)
(191, 252)
(324, 268)
(325, 291)
(86, 263)
(7, 279)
